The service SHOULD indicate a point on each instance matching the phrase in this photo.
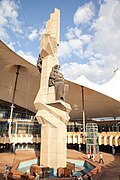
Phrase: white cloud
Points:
(73, 46)
(84, 14)
(64, 49)
(108, 27)
(9, 18)
(73, 32)
(42, 31)
(75, 43)
(107, 37)
(86, 38)
(3, 21)
(99, 50)
(3, 34)
(33, 35)
(11, 45)
(73, 70)
(27, 56)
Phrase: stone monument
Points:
(52, 110)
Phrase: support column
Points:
(83, 109)
(13, 98)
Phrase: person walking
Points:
(89, 156)
(93, 157)
(13, 146)
(101, 158)
(10, 151)
(113, 150)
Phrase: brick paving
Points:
(10, 159)
(111, 163)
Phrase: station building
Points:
(19, 84)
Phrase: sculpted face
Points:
(57, 66)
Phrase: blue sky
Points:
(89, 35)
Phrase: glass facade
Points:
(107, 127)
(74, 127)
(102, 127)
(92, 145)
(26, 127)
(28, 146)
(4, 128)
(18, 112)
(23, 120)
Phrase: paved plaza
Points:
(111, 163)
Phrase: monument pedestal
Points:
(53, 117)
(53, 146)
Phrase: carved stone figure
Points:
(39, 63)
(56, 79)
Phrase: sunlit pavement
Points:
(111, 163)
(10, 159)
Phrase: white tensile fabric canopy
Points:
(111, 88)
(99, 100)
(28, 79)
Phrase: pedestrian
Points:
(10, 151)
(93, 157)
(13, 146)
(89, 154)
(79, 147)
(7, 168)
(89, 177)
(113, 150)
(101, 158)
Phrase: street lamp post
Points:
(83, 109)
(13, 98)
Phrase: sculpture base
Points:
(53, 146)
(53, 116)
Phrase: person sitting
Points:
(56, 79)
(7, 169)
